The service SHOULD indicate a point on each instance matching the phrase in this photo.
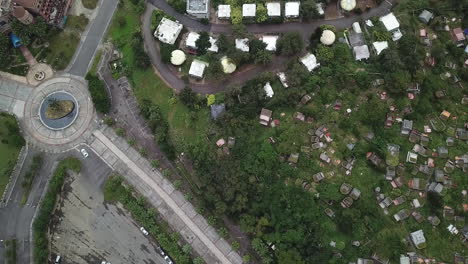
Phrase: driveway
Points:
(16, 218)
(243, 74)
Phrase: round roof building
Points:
(177, 57)
(328, 37)
(348, 5)
(228, 66)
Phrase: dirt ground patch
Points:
(86, 230)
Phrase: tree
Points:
(290, 43)
(203, 43)
(261, 14)
(256, 45)
(188, 97)
(236, 15)
(309, 9)
(324, 53)
(262, 57)
(290, 256)
(398, 81)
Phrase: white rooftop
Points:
(191, 42)
(328, 37)
(177, 57)
(270, 41)
(197, 68)
(249, 10)
(168, 31)
(310, 61)
(291, 9)
(397, 35)
(224, 11)
(273, 9)
(214, 47)
(228, 66)
(361, 52)
(320, 9)
(268, 90)
(390, 22)
(357, 27)
(243, 44)
(379, 46)
(283, 80)
(348, 5)
(418, 237)
(197, 6)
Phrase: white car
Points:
(84, 152)
(168, 260)
(143, 230)
(105, 262)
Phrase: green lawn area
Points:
(61, 49)
(90, 4)
(10, 146)
(77, 22)
(147, 85)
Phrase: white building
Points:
(418, 239)
(224, 11)
(191, 42)
(268, 90)
(270, 41)
(390, 22)
(198, 8)
(197, 68)
(282, 78)
(243, 44)
(249, 10)
(291, 9)
(361, 52)
(379, 46)
(310, 61)
(320, 9)
(168, 31)
(273, 9)
(357, 27)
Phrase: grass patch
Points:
(61, 49)
(10, 146)
(89, 4)
(77, 22)
(94, 67)
(146, 216)
(40, 225)
(29, 177)
(183, 123)
(99, 94)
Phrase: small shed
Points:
(361, 52)
(418, 239)
(273, 9)
(224, 11)
(242, 44)
(291, 9)
(249, 10)
(265, 116)
(197, 68)
(268, 90)
(425, 16)
(310, 61)
(270, 41)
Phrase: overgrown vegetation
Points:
(99, 93)
(29, 177)
(146, 216)
(90, 4)
(11, 142)
(46, 208)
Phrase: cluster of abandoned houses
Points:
(53, 11)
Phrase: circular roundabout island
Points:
(58, 110)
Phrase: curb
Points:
(14, 175)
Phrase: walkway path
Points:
(306, 29)
(92, 37)
(170, 203)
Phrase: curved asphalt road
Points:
(243, 74)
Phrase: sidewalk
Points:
(170, 203)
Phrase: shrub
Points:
(98, 94)
(40, 225)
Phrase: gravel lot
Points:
(86, 230)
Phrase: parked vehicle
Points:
(57, 260)
(143, 230)
(168, 260)
(84, 152)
